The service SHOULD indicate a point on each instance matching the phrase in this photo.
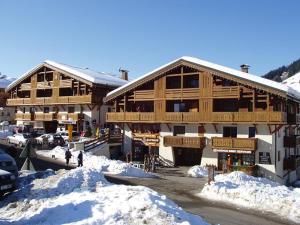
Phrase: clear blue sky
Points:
(140, 35)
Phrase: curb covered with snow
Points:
(198, 171)
(84, 196)
(255, 193)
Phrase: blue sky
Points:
(140, 35)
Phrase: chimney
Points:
(124, 74)
(245, 68)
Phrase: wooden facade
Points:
(202, 96)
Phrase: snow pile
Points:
(83, 196)
(198, 171)
(256, 193)
(106, 165)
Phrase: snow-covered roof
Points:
(83, 73)
(233, 72)
(4, 82)
(293, 82)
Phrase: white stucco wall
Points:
(166, 153)
(127, 142)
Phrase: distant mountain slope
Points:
(292, 69)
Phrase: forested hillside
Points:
(292, 69)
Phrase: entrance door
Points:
(187, 156)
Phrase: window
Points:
(32, 110)
(46, 109)
(179, 130)
(179, 107)
(71, 109)
(173, 82)
(191, 81)
(230, 132)
(251, 133)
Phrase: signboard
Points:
(232, 151)
(67, 122)
(146, 139)
(264, 158)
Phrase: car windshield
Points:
(26, 135)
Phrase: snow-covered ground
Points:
(84, 196)
(198, 171)
(256, 193)
(108, 166)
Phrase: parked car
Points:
(65, 135)
(19, 139)
(37, 132)
(7, 182)
(8, 173)
(52, 139)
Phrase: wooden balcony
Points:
(25, 87)
(267, 117)
(65, 83)
(185, 142)
(23, 116)
(227, 143)
(196, 117)
(291, 141)
(143, 95)
(69, 116)
(185, 93)
(44, 85)
(226, 92)
(44, 116)
(84, 99)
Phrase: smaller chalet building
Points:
(191, 111)
(52, 95)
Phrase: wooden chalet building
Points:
(192, 111)
(54, 94)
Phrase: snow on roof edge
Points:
(237, 73)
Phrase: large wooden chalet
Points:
(54, 94)
(192, 111)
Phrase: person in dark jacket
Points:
(80, 159)
(68, 155)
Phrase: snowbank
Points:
(198, 171)
(106, 165)
(83, 196)
(256, 193)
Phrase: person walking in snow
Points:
(68, 155)
(80, 159)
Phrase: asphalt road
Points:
(173, 183)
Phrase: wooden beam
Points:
(89, 107)
(168, 125)
(270, 129)
(216, 128)
(256, 130)
(277, 128)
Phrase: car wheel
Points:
(8, 141)
(20, 144)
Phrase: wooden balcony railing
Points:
(44, 84)
(197, 117)
(25, 86)
(84, 99)
(23, 116)
(44, 116)
(234, 143)
(291, 141)
(185, 93)
(143, 95)
(226, 92)
(65, 83)
(69, 116)
(185, 142)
